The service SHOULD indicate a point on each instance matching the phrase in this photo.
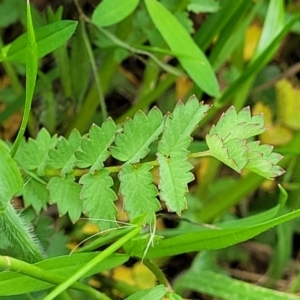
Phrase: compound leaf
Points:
(138, 133)
(138, 191)
(174, 177)
(94, 147)
(179, 126)
(33, 155)
(63, 157)
(66, 193)
(98, 198)
(36, 194)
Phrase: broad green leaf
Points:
(48, 38)
(66, 193)
(63, 157)
(189, 54)
(157, 292)
(138, 133)
(14, 284)
(208, 239)
(221, 286)
(94, 147)
(10, 178)
(179, 126)
(139, 191)
(98, 198)
(109, 12)
(33, 155)
(36, 194)
(174, 176)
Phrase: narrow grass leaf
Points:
(48, 38)
(174, 176)
(98, 198)
(179, 126)
(221, 286)
(33, 154)
(139, 191)
(66, 193)
(191, 57)
(132, 144)
(209, 239)
(94, 147)
(63, 156)
(110, 12)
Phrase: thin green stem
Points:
(94, 70)
(157, 272)
(19, 266)
(117, 169)
(91, 264)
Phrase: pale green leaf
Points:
(66, 193)
(36, 194)
(188, 53)
(138, 133)
(94, 147)
(179, 126)
(227, 142)
(138, 191)
(262, 161)
(98, 198)
(33, 154)
(63, 157)
(10, 177)
(174, 177)
(109, 12)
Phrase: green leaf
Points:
(263, 161)
(15, 284)
(179, 126)
(203, 6)
(94, 147)
(174, 177)
(33, 155)
(189, 54)
(63, 157)
(109, 12)
(138, 191)
(98, 198)
(218, 285)
(138, 133)
(208, 239)
(66, 193)
(227, 142)
(157, 292)
(35, 194)
(10, 178)
(48, 38)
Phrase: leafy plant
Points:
(146, 161)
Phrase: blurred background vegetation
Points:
(253, 47)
